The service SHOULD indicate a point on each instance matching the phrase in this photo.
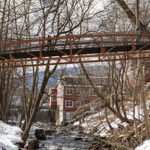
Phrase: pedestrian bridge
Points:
(74, 49)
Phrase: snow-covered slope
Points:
(97, 124)
(144, 146)
(9, 136)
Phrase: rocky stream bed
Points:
(48, 137)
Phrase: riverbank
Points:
(55, 140)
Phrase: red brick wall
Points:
(85, 97)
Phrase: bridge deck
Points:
(72, 48)
(52, 52)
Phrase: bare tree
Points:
(58, 18)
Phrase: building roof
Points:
(81, 80)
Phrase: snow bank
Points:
(144, 146)
(98, 125)
(9, 135)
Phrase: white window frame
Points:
(84, 81)
(68, 101)
(92, 92)
(98, 82)
(75, 80)
(69, 91)
(80, 91)
(80, 104)
(53, 97)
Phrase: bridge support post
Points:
(10, 54)
(70, 45)
(101, 44)
(133, 44)
(40, 48)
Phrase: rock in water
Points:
(40, 134)
(77, 138)
(33, 144)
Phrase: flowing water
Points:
(63, 141)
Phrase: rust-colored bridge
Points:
(74, 49)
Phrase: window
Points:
(54, 97)
(85, 81)
(69, 103)
(69, 91)
(92, 107)
(79, 103)
(75, 81)
(99, 82)
(69, 81)
(92, 92)
(80, 91)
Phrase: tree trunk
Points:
(130, 14)
(36, 105)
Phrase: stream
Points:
(65, 143)
(70, 140)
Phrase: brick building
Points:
(73, 92)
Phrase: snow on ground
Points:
(98, 121)
(9, 136)
(144, 146)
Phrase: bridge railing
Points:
(71, 43)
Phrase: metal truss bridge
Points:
(74, 49)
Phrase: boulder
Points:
(40, 134)
(33, 144)
(20, 144)
(59, 148)
(77, 138)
